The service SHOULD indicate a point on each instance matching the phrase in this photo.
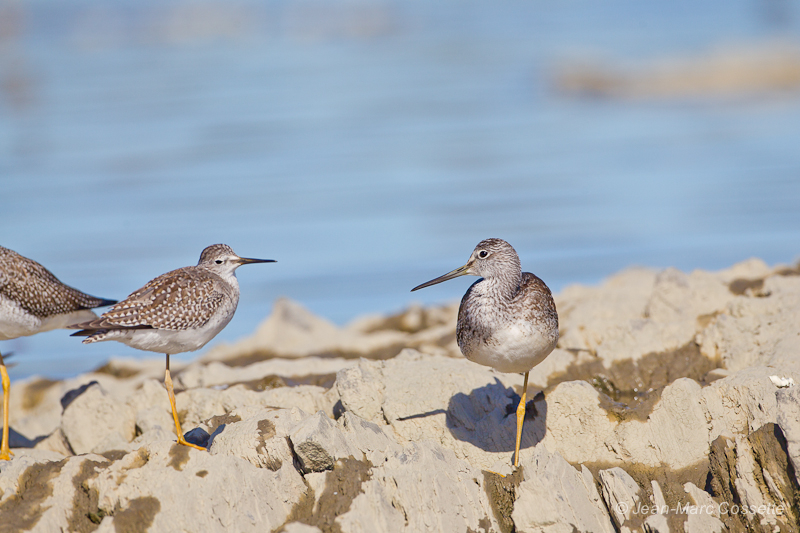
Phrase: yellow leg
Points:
(520, 419)
(171, 393)
(5, 451)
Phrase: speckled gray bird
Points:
(507, 319)
(33, 300)
(179, 311)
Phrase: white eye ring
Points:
(218, 261)
(482, 254)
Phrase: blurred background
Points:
(368, 145)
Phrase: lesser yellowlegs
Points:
(179, 311)
(507, 319)
(33, 300)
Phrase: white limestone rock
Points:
(752, 474)
(47, 492)
(169, 487)
(422, 487)
(36, 403)
(749, 269)
(657, 522)
(11, 471)
(215, 373)
(464, 406)
(639, 311)
(621, 493)
(157, 416)
(586, 313)
(361, 390)
(96, 421)
(758, 331)
(318, 442)
(55, 442)
(747, 486)
(741, 402)
(634, 313)
(554, 497)
(202, 404)
(371, 440)
(261, 439)
(470, 409)
(678, 296)
(578, 427)
(632, 340)
(675, 434)
(788, 406)
(704, 516)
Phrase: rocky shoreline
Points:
(670, 404)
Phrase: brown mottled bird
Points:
(179, 311)
(33, 300)
(507, 319)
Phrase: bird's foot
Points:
(185, 442)
(5, 455)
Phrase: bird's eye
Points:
(218, 261)
(482, 254)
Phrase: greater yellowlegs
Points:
(507, 319)
(179, 311)
(33, 300)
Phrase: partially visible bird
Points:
(33, 300)
(507, 319)
(179, 311)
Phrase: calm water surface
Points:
(369, 146)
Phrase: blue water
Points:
(368, 146)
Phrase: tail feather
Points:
(104, 302)
(92, 335)
(86, 332)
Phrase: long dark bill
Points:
(248, 261)
(460, 271)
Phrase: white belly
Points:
(164, 340)
(17, 322)
(512, 349)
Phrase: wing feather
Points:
(178, 300)
(37, 290)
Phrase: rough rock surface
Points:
(670, 404)
(550, 488)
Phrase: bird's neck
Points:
(231, 278)
(505, 285)
(233, 291)
(228, 276)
